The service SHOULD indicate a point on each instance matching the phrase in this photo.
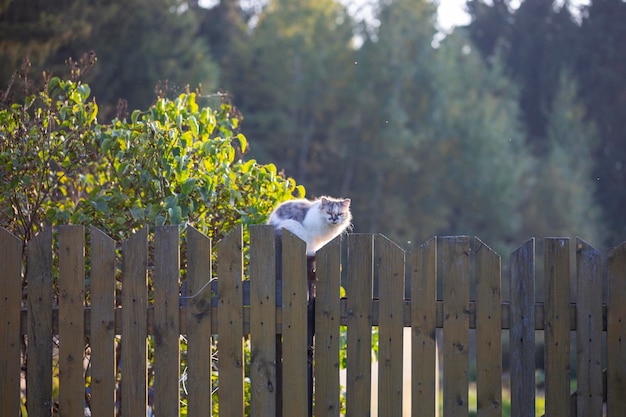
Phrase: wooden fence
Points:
(115, 303)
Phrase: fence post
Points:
(589, 330)
(359, 293)
(39, 350)
(390, 326)
(199, 359)
(230, 323)
(488, 331)
(294, 307)
(424, 369)
(71, 320)
(102, 337)
(263, 361)
(556, 328)
(166, 328)
(310, 335)
(10, 306)
(522, 330)
(456, 266)
(616, 333)
(327, 313)
(134, 324)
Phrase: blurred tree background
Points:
(507, 128)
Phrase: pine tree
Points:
(601, 72)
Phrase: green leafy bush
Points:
(175, 163)
(44, 142)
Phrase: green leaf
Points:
(29, 101)
(187, 186)
(175, 214)
(84, 91)
(93, 113)
(243, 142)
(137, 213)
(193, 125)
(54, 86)
(134, 116)
(171, 201)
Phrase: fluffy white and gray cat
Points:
(315, 222)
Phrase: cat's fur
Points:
(315, 222)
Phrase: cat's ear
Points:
(324, 201)
(346, 202)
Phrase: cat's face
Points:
(336, 211)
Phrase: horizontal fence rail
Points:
(103, 323)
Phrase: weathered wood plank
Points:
(71, 320)
(343, 315)
(326, 372)
(10, 306)
(134, 324)
(455, 262)
(522, 330)
(263, 384)
(557, 294)
(199, 359)
(589, 330)
(390, 259)
(616, 333)
(488, 333)
(230, 324)
(102, 331)
(39, 304)
(166, 330)
(359, 311)
(424, 382)
(295, 345)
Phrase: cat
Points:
(315, 222)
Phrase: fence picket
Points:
(588, 330)
(10, 306)
(328, 278)
(39, 302)
(134, 324)
(295, 397)
(455, 262)
(166, 329)
(71, 320)
(102, 337)
(390, 326)
(424, 381)
(616, 333)
(522, 330)
(199, 359)
(488, 333)
(263, 383)
(359, 293)
(557, 340)
(230, 324)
